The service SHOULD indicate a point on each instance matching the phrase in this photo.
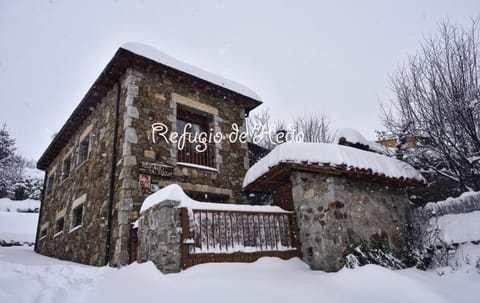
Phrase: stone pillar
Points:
(128, 181)
(160, 236)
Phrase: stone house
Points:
(114, 150)
(342, 197)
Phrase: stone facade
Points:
(85, 244)
(152, 97)
(149, 93)
(160, 236)
(335, 213)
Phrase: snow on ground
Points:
(28, 277)
(466, 257)
(332, 154)
(18, 227)
(7, 205)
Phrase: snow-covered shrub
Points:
(442, 230)
(29, 186)
(19, 179)
(373, 252)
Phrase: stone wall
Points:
(336, 213)
(85, 244)
(152, 95)
(160, 93)
(160, 237)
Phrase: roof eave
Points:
(279, 174)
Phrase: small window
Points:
(67, 162)
(83, 150)
(43, 233)
(194, 123)
(50, 181)
(77, 216)
(59, 224)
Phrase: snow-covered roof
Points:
(127, 56)
(175, 192)
(333, 155)
(162, 58)
(353, 136)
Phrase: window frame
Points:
(76, 204)
(70, 157)
(57, 231)
(204, 122)
(43, 231)
(73, 221)
(50, 182)
(87, 156)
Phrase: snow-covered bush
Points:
(19, 180)
(373, 252)
(442, 230)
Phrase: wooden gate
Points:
(236, 236)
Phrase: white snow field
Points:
(7, 205)
(28, 277)
(15, 225)
(18, 227)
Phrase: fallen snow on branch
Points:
(332, 154)
(466, 202)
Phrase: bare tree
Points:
(314, 127)
(261, 129)
(438, 103)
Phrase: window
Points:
(77, 212)
(50, 180)
(77, 216)
(43, 230)
(59, 224)
(83, 150)
(194, 123)
(43, 233)
(67, 162)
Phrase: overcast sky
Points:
(298, 56)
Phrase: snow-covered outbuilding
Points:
(343, 197)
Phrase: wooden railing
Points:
(189, 154)
(236, 236)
